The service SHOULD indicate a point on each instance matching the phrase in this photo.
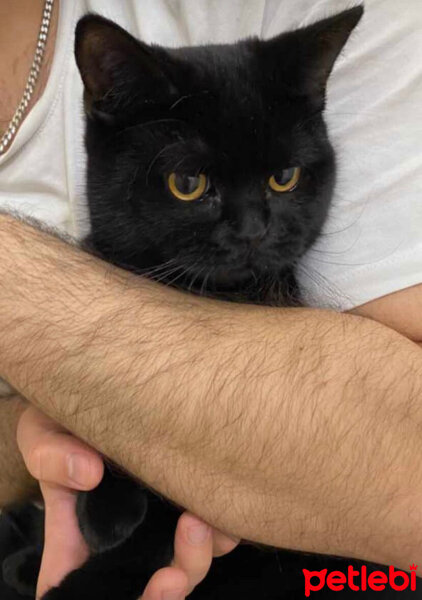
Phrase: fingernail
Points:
(173, 595)
(198, 534)
(77, 469)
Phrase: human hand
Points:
(195, 544)
(50, 455)
(63, 465)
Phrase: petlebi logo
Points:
(360, 581)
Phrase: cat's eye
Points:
(187, 187)
(285, 180)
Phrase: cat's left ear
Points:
(116, 68)
(307, 56)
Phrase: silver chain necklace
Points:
(31, 83)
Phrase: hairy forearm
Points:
(297, 428)
(15, 482)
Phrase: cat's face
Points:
(211, 165)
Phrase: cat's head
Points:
(211, 164)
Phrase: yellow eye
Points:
(285, 181)
(186, 187)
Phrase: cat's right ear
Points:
(116, 68)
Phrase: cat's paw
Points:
(20, 571)
(109, 514)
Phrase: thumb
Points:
(64, 546)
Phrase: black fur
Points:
(239, 113)
(21, 539)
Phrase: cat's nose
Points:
(252, 231)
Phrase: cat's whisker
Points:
(162, 272)
(337, 264)
(194, 278)
(158, 268)
(179, 276)
(191, 267)
(321, 281)
(184, 271)
(163, 277)
(204, 282)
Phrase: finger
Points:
(64, 546)
(222, 543)
(54, 456)
(167, 584)
(193, 548)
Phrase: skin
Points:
(19, 26)
(400, 311)
(46, 449)
(345, 419)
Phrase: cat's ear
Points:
(115, 67)
(309, 54)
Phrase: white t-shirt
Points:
(372, 244)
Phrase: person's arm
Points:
(297, 428)
(16, 483)
(401, 311)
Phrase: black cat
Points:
(209, 168)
